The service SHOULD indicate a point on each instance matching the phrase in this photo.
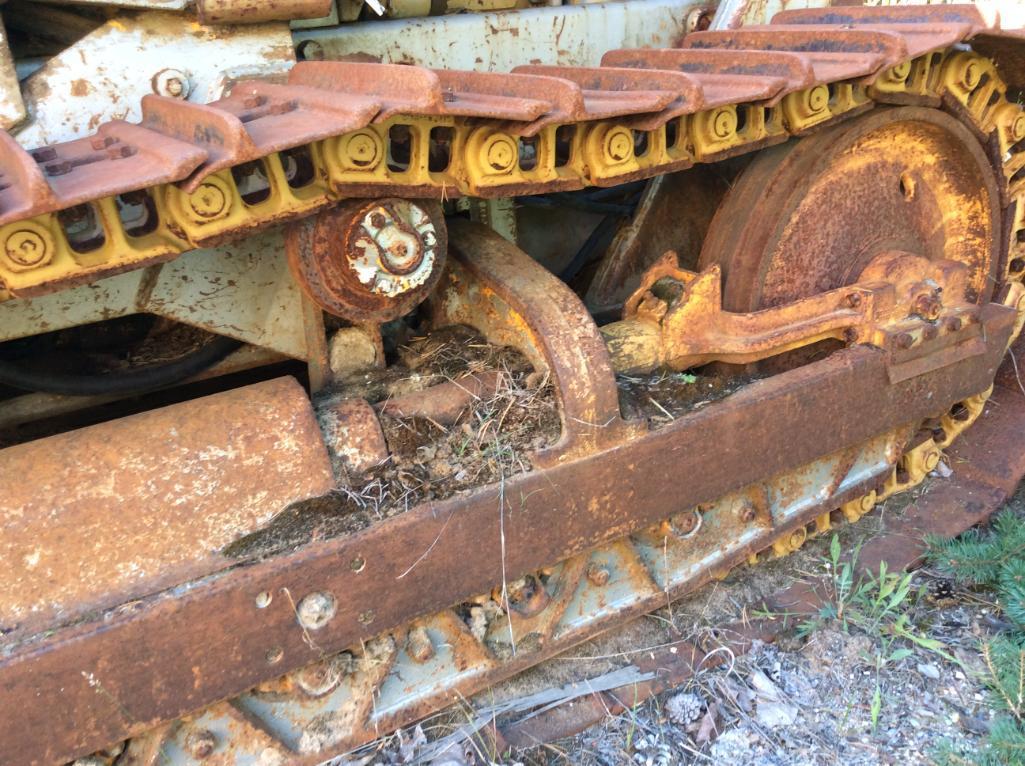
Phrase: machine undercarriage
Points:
(369, 384)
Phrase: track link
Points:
(202, 174)
(190, 175)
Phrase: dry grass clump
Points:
(493, 439)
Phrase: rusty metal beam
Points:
(989, 452)
(93, 518)
(98, 682)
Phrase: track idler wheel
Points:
(811, 215)
(369, 261)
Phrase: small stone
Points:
(928, 670)
(773, 715)
(731, 747)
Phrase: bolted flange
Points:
(369, 261)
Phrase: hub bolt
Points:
(392, 247)
(853, 300)
(953, 324)
(316, 610)
(905, 340)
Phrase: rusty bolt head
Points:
(172, 83)
(201, 744)
(598, 574)
(316, 610)
(748, 513)
(927, 306)
(953, 324)
(686, 523)
(853, 300)
(930, 332)
(850, 335)
(904, 340)
(320, 678)
(27, 247)
(419, 645)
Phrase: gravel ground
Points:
(807, 699)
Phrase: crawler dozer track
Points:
(864, 370)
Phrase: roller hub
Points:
(369, 261)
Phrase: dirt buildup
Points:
(493, 439)
(663, 396)
(428, 360)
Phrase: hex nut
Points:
(172, 83)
